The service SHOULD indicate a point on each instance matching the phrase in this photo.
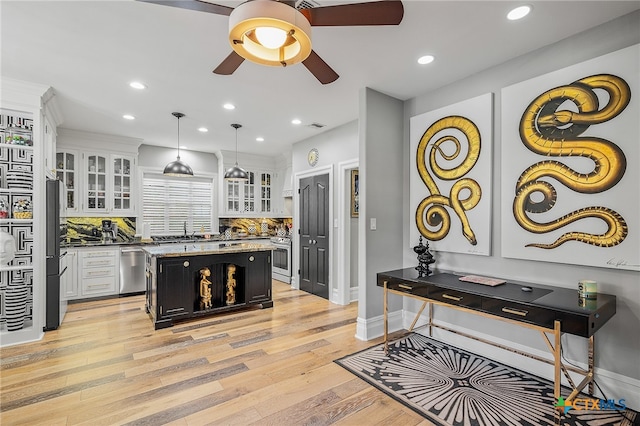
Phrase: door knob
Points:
(315, 242)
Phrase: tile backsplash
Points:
(88, 229)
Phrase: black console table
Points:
(547, 309)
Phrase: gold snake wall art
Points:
(436, 215)
(548, 131)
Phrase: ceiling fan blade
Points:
(230, 64)
(319, 68)
(387, 12)
(198, 5)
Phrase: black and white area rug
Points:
(450, 386)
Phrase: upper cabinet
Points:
(97, 182)
(251, 197)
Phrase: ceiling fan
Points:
(276, 33)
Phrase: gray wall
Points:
(381, 180)
(334, 146)
(617, 343)
(156, 157)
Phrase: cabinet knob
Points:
(251, 258)
(186, 264)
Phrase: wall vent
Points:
(316, 125)
(306, 4)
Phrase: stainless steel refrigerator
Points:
(55, 306)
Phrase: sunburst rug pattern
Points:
(450, 386)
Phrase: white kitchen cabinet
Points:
(109, 184)
(252, 197)
(104, 169)
(67, 172)
(69, 279)
(98, 271)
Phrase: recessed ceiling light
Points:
(296, 121)
(426, 59)
(229, 106)
(260, 139)
(137, 85)
(203, 129)
(518, 13)
(128, 117)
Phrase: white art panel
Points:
(571, 164)
(450, 177)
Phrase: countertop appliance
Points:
(109, 231)
(132, 275)
(281, 259)
(55, 305)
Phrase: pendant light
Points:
(236, 173)
(178, 168)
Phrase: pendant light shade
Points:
(178, 168)
(236, 173)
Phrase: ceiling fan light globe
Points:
(270, 37)
(249, 16)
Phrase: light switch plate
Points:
(373, 224)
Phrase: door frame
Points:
(343, 273)
(295, 282)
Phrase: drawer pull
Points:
(98, 285)
(406, 287)
(456, 298)
(98, 262)
(513, 311)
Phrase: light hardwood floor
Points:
(106, 365)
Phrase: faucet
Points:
(185, 228)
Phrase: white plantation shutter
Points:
(170, 202)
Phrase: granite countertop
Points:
(198, 248)
(188, 240)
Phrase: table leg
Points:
(386, 325)
(415, 320)
(591, 361)
(430, 319)
(557, 359)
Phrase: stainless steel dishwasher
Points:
(132, 278)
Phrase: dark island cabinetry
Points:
(198, 283)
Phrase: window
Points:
(168, 203)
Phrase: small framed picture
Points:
(355, 188)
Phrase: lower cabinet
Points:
(191, 286)
(258, 277)
(69, 278)
(98, 272)
(174, 298)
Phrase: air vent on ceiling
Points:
(306, 4)
(316, 125)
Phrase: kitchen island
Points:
(187, 280)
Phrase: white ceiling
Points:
(89, 51)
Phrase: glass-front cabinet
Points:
(250, 197)
(96, 183)
(122, 183)
(96, 179)
(250, 193)
(66, 171)
(99, 172)
(265, 192)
